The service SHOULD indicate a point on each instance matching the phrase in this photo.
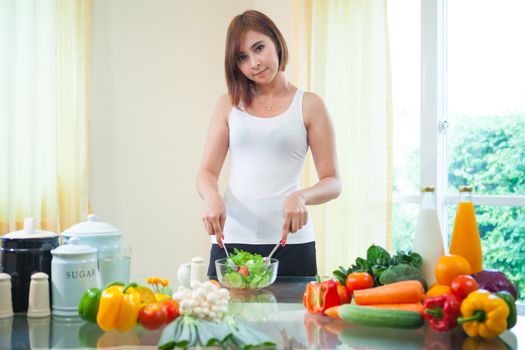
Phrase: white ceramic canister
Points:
(74, 269)
(103, 236)
(108, 241)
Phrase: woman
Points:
(268, 125)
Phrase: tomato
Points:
(462, 285)
(152, 316)
(449, 266)
(359, 280)
(243, 270)
(171, 308)
(344, 295)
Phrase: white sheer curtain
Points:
(344, 57)
(43, 149)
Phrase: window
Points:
(404, 30)
(470, 121)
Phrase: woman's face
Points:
(258, 59)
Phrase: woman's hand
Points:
(214, 217)
(295, 215)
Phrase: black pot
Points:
(22, 257)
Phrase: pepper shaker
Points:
(38, 304)
(6, 301)
(198, 270)
(184, 275)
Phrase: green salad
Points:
(252, 271)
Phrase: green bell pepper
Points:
(513, 312)
(88, 306)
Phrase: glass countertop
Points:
(276, 311)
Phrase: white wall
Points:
(156, 70)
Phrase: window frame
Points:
(433, 120)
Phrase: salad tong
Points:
(267, 259)
(229, 260)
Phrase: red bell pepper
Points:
(442, 311)
(320, 296)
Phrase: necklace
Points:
(269, 107)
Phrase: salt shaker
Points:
(6, 302)
(38, 305)
(184, 275)
(198, 269)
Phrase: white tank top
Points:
(266, 159)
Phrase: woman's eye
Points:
(259, 48)
(241, 58)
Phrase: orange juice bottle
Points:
(465, 237)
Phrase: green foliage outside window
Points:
(487, 153)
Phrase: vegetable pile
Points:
(389, 292)
(121, 307)
(202, 309)
(385, 269)
(253, 273)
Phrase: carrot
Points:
(395, 293)
(333, 312)
(417, 307)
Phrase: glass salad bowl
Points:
(252, 275)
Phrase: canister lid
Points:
(92, 226)
(29, 232)
(5, 277)
(73, 248)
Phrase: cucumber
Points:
(373, 317)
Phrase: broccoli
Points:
(401, 272)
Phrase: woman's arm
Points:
(215, 151)
(321, 138)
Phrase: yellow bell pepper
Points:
(119, 308)
(483, 314)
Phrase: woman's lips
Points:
(260, 73)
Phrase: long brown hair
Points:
(239, 86)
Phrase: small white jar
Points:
(184, 274)
(74, 269)
(198, 269)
